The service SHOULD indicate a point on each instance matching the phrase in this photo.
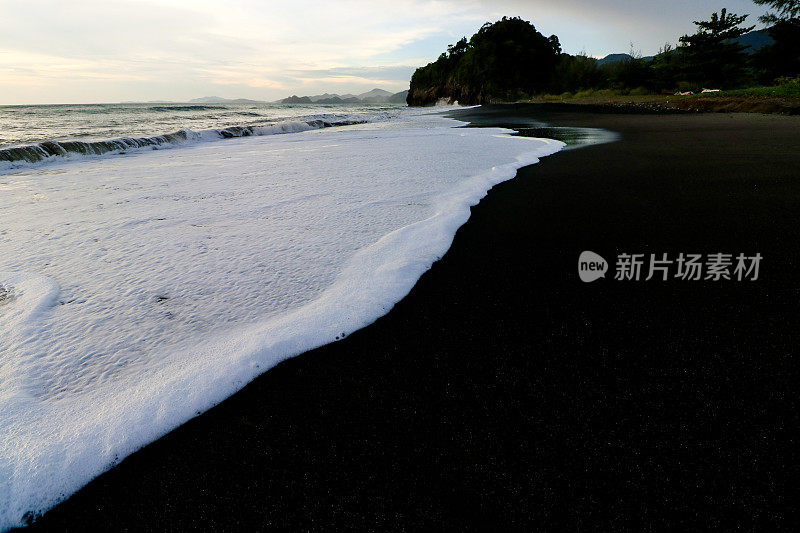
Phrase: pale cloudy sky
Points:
(80, 51)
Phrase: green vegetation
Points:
(786, 88)
(710, 57)
(510, 60)
(504, 60)
(786, 10)
(585, 94)
(782, 59)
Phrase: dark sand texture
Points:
(503, 394)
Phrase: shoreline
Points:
(502, 392)
(676, 104)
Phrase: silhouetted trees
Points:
(711, 58)
(503, 60)
(666, 70)
(510, 59)
(782, 59)
(630, 73)
(575, 73)
(786, 10)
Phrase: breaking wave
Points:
(35, 154)
(185, 107)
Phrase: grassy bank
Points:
(783, 98)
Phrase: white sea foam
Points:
(143, 289)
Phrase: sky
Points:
(90, 51)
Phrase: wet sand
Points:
(503, 394)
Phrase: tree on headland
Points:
(781, 59)
(509, 60)
(502, 61)
(666, 66)
(785, 11)
(710, 56)
(578, 72)
(633, 72)
(510, 56)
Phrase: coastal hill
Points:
(509, 60)
(502, 61)
(219, 100)
(375, 96)
(754, 41)
(614, 58)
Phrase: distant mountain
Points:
(219, 100)
(755, 40)
(334, 98)
(316, 98)
(294, 99)
(614, 58)
(375, 96)
(398, 98)
(375, 93)
(330, 100)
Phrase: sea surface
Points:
(35, 133)
(155, 258)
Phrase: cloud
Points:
(93, 50)
(270, 46)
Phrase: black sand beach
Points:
(503, 394)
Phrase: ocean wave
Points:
(47, 151)
(167, 108)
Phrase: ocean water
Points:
(141, 285)
(30, 134)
